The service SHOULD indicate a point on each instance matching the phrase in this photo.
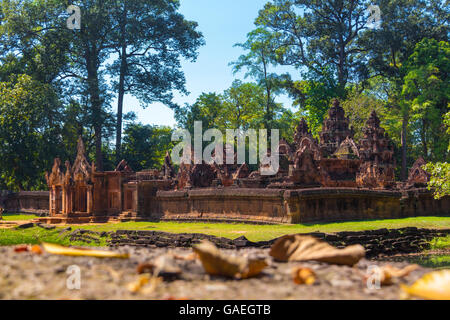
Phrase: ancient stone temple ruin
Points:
(329, 179)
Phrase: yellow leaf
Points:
(82, 252)
(432, 286)
(304, 276)
(144, 284)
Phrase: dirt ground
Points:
(29, 276)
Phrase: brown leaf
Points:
(145, 284)
(189, 257)
(387, 274)
(218, 263)
(22, 248)
(145, 268)
(303, 275)
(306, 248)
(163, 266)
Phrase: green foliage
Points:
(440, 243)
(440, 178)
(29, 127)
(150, 39)
(358, 107)
(426, 90)
(313, 97)
(257, 63)
(145, 146)
(440, 171)
(316, 34)
(242, 106)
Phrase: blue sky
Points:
(223, 23)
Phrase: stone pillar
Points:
(51, 200)
(89, 200)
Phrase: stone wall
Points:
(297, 206)
(376, 242)
(261, 205)
(230, 204)
(31, 202)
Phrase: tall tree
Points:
(145, 146)
(257, 63)
(89, 49)
(426, 90)
(149, 39)
(313, 95)
(404, 24)
(29, 123)
(316, 34)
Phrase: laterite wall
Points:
(35, 202)
(298, 206)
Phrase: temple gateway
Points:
(332, 179)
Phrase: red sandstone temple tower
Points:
(377, 153)
(335, 130)
(83, 194)
(316, 181)
(72, 192)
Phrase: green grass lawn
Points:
(18, 217)
(267, 232)
(440, 243)
(232, 231)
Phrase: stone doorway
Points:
(80, 203)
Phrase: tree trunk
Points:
(96, 105)
(123, 70)
(404, 147)
(424, 139)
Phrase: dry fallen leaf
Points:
(303, 275)
(144, 284)
(388, 273)
(21, 248)
(145, 268)
(136, 286)
(432, 286)
(306, 248)
(189, 257)
(216, 262)
(36, 249)
(163, 266)
(28, 248)
(68, 251)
